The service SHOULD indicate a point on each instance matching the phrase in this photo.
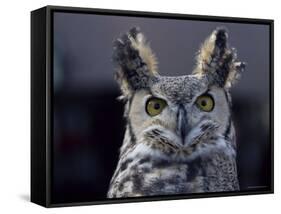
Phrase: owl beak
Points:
(182, 126)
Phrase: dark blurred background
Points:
(88, 122)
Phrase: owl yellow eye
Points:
(205, 103)
(155, 106)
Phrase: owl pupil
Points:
(203, 103)
(156, 106)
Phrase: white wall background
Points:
(15, 106)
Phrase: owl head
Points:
(177, 113)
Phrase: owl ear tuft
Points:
(217, 61)
(136, 63)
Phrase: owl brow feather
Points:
(135, 61)
(217, 61)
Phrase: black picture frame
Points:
(42, 93)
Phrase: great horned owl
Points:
(179, 135)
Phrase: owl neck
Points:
(129, 140)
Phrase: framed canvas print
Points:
(133, 106)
